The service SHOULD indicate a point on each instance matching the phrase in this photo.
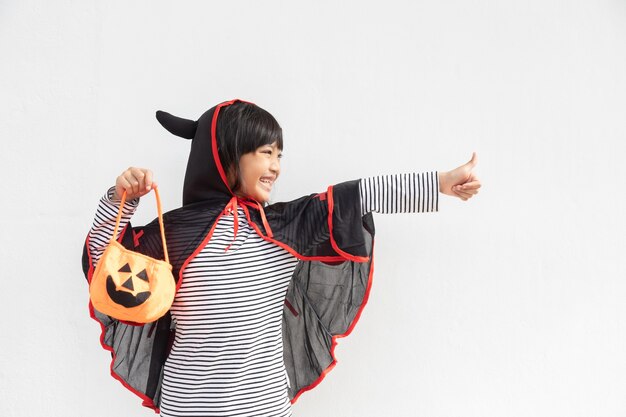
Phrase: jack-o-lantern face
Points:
(130, 290)
(141, 291)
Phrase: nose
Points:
(275, 166)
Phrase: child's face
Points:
(259, 170)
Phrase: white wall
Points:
(509, 304)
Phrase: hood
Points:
(205, 176)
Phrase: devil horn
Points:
(177, 125)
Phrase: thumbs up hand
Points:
(461, 182)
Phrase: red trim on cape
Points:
(329, 195)
(122, 233)
(136, 237)
(331, 206)
(287, 247)
(147, 401)
(334, 338)
(293, 310)
(195, 253)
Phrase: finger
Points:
(133, 184)
(126, 186)
(140, 176)
(137, 180)
(461, 197)
(148, 179)
(467, 193)
(471, 185)
(462, 193)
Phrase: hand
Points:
(461, 182)
(136, 181)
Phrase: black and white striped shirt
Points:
(227, 357)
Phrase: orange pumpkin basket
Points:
(131, 286)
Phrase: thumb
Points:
(472, 162)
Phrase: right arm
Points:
(416, 192)
(101, 230)
(136, 182)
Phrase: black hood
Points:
(205, 178)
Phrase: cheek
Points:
(248, 179)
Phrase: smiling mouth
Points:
(267, 183)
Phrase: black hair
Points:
(242, 128)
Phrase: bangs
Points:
(258, 128)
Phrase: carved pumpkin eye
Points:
(129, 290)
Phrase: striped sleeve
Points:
(102, 228)
(400, 193)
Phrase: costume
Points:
(326, 232)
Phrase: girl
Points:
(263, 290)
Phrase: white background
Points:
(509, 304)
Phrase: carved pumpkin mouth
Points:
(133, 291)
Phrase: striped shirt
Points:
(227, 356)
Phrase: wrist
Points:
(113, 195)
(442, 181)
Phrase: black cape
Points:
(327, 292)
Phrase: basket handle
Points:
(119, 218)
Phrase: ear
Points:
(177, 125)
